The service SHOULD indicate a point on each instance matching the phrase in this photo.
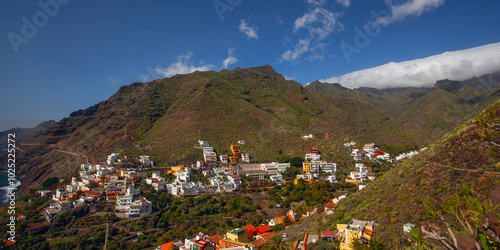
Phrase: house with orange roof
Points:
(225, 243)
(263, 229)
(167, 246)
(277, 221)
(214, 240)
(263, 238)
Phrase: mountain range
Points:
(23, 134)
(164, 119)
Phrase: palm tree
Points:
(417, 241)
(278, 243)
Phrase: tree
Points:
(277, 243)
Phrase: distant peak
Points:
(448, 85)
(265, 68)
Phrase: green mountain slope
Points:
(419, 115)
(461, 157)
(164, 119)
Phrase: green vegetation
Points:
(433, 179)
(49, 182)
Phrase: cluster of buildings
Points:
(245, 238)
(220, 180)
(369, 152)
(62, 202)
(347, 234)
(209, 154)
(409, 154)
(99, 179)
(364, 173)
(313, 165)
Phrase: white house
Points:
(408, 227)
(112, 157)
(370, 147)
(332, 179)
(313, 157)
(140, 207)
(210, 156)
(274, 167)
(276, 178)
(309, 136)
(201, 144)
(183, 176)
(60, 193)
(145, 159)
(224, 159)
(235, 180)
(245, 158)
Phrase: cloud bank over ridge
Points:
(456, 65)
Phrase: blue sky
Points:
(80, 52)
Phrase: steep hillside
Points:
(464, 156)
(164, 118)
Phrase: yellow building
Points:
(173, 170)
(235, 149)
(233, 159)
(239, 235)
(356, 229)
(306, 167)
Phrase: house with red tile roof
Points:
(251, 231)
(263, 229)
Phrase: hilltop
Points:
(165, 117)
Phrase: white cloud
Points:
(300, 48)
(346, 3)
(457, 65)
(320, 23)
(278, 19)
(316, 2)
(182, 66)
(290, 78)
(230, 59)
(407, 9)
(114, 81)
(144, 77)
(251, 32)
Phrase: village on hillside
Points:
(118, 184)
